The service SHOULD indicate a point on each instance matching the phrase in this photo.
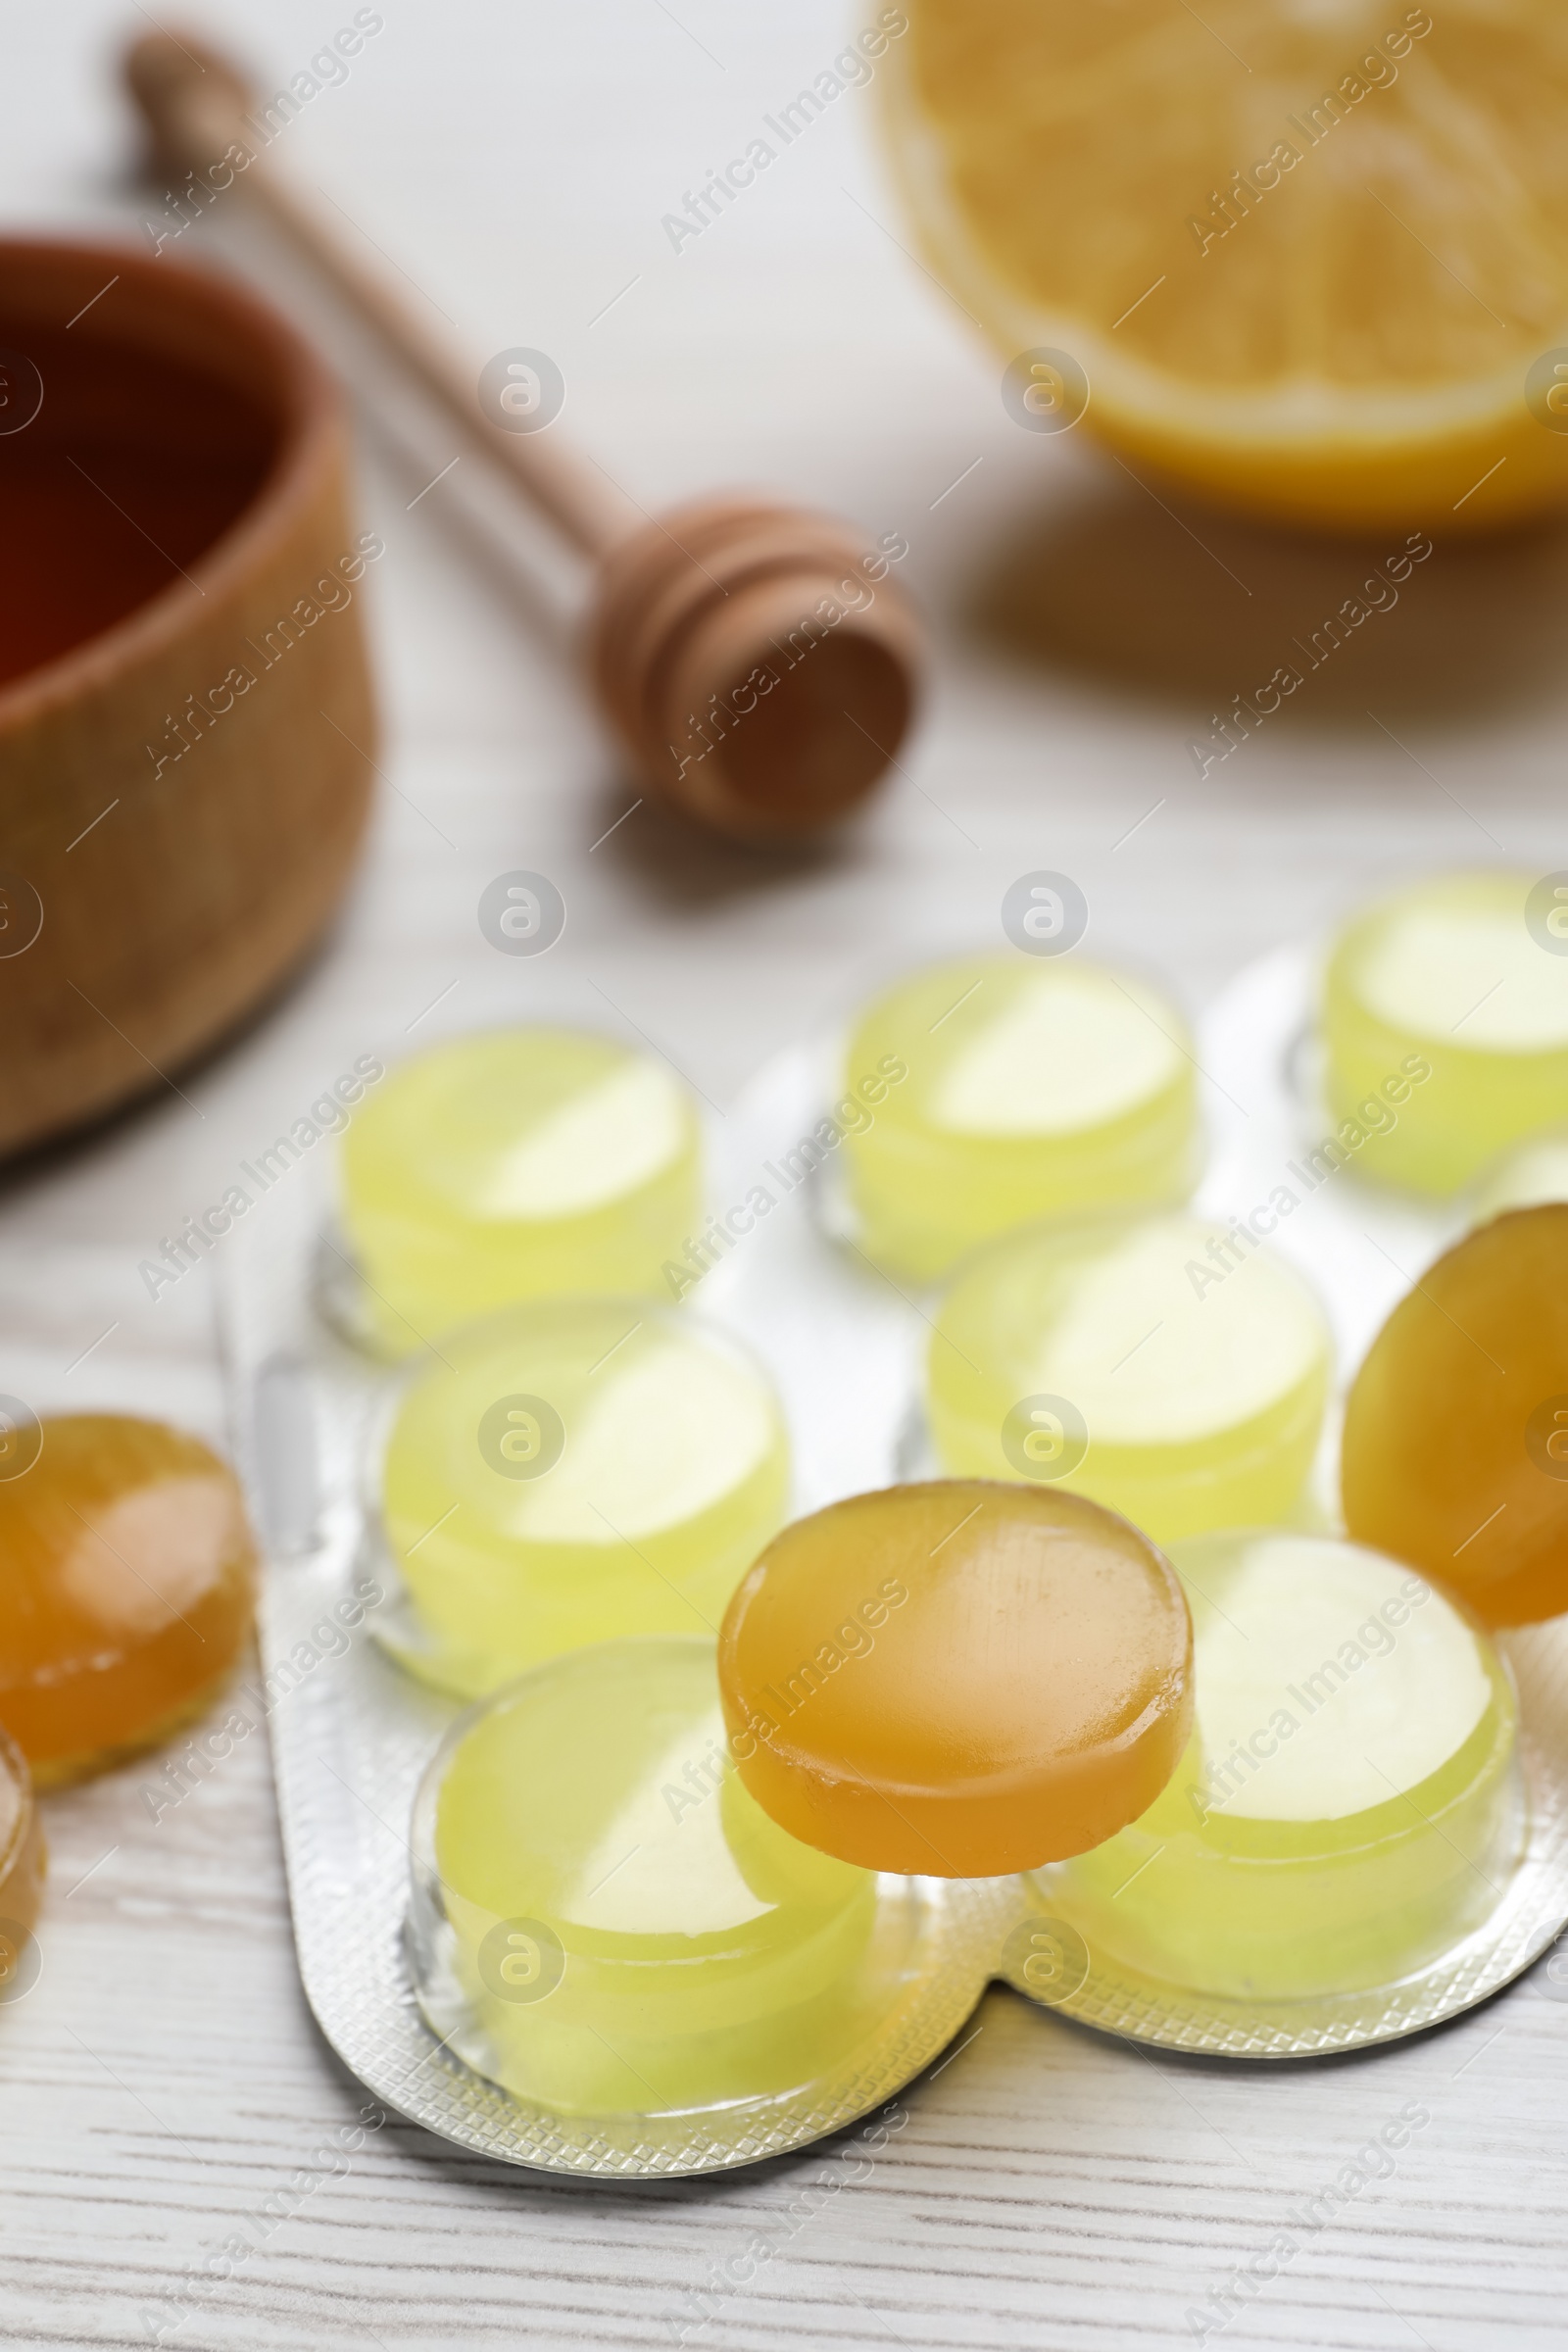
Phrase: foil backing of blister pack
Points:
(1362, 1247)
(352, 1733)
(843, 1345)
(1530, 1913)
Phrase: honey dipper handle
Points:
(195, 104)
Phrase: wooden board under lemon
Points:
(1310, 255)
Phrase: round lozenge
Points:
(127, 1591)
(998, 1091)
(517, 1163)
(23, 1862)
(1455, 1447)
(605, 1922)
(959, 1678)
(1174, 1370)
(572, 1470)
(1445, 1025)
(1350, 1804)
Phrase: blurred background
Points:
(510, 170)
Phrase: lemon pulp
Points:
(1306, 255)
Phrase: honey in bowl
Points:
(123, 432)
(126, 1593)
(187, 740)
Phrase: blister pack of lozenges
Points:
(538, 1907)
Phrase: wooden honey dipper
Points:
(710, 642)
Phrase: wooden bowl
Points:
(187, 727)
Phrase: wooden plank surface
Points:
(164, 2092)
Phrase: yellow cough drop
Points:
(627, 1930)
(1155, 1364)
(513, 1164)
(572, 1470)
(1351, 1805)
(1445, 1028)
(1031, 1088)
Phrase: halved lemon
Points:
(1309, 257)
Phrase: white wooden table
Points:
(163, 2088)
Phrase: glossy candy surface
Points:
(1174, 1372)
(1031, 1088)
(574, 1470)
(513, 1164)
(1350, 1806)
(22, 1868)
(959, 1678)
(125, 1592)
(1446, 1024)
(628, 1931)
(1455, 1448)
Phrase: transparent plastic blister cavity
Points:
(1361, 1246)
(355, 1733)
